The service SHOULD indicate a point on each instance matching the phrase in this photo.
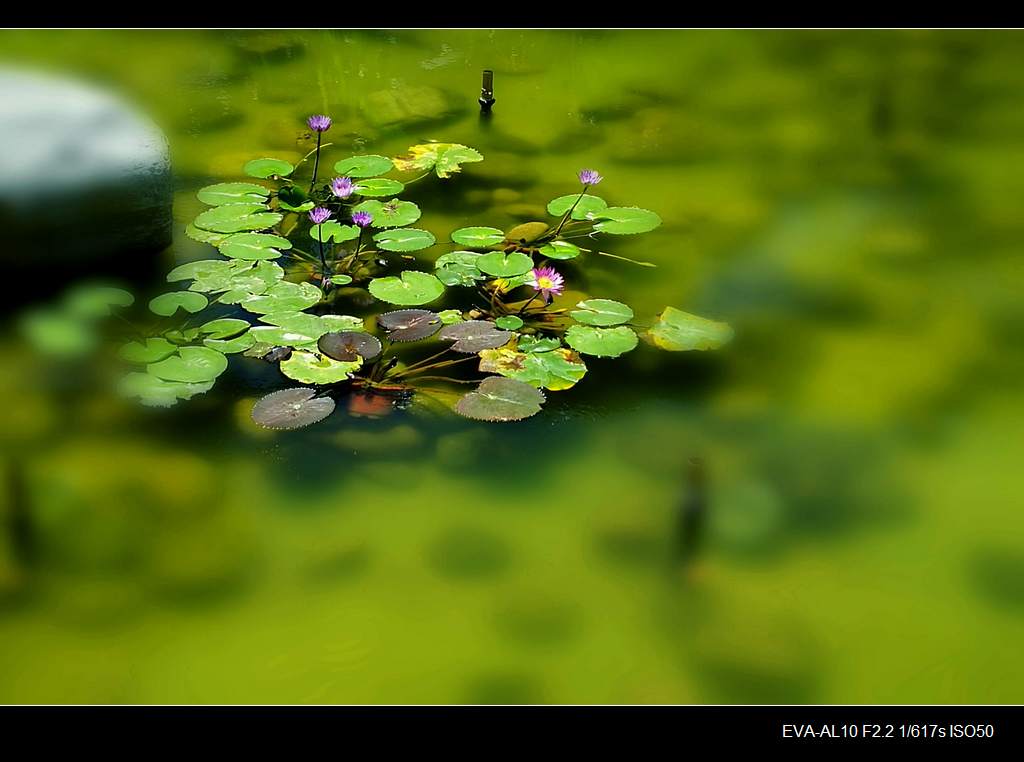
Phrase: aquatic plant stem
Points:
(448, 379)
(483, 293)
(626, 259)
(316, 162)
(306, 256)
(528, 303)
(616, 256)
(425, 360)
(406, 372)
(565, 216)
(303, 159)
(323, 260)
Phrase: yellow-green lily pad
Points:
(311, 368)
(601, 342)
(679, 331)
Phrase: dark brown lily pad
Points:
(471, 336)
(291, 409)
(501, 399)
(349, 346)
(409, 325)
(277, 354)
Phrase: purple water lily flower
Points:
(590, 177)
(319, 123)
(342, 187)
(547, 281)
(319, 215)
(362, 219)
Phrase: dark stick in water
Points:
(19, 516)
(487, 92)
(692, 514)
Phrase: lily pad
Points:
(459, 275)
(602, 312)
(313, 326)
(276, 336)
(341, 323)
(212, 281)
(333, 231)
(186, 336)
(555, 370)
(450, 160)
(404, 239)
(389, 214)
(527, 232)
(200, 268)
(679, 331)
(192, 365)
(309, 368)
(224, 328)
(305, 206)
(269, 353)
(364, 166)
(251, 246)
(458, 258)
(560, 250)
(269, 272)
(56, 333)
(341, 280)
(601, 342)
(233, 193)
(478, 237)
(503, 265)
(504, 285)
(409, 325)
(235, 218)
(349, 346)
(587, 206)
(501, 399)
(531, 344)
(203, 236)
(378, 187)
(283, 297)
(470, 336)
(413, 287)
(233, 345)
(151, 350)
(449, 317)
(243, 282)
(168, 304)
(291, 409)
(509, 322)
(458, 268)
(264, 168)
(444, 158)
(294, 199)
(156, 392)
(626, 220)
(95, 301)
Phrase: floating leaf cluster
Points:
(292, 257)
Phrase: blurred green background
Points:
(848, 201)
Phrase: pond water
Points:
(847, 201)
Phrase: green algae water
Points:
(847, 201)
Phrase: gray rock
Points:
(83, 176)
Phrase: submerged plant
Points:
(290, 259)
